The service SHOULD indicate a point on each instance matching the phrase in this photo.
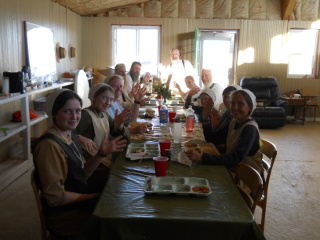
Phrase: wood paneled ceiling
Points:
(94, 7)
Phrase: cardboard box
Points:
(311, 95)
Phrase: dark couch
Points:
(270, 111)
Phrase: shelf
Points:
(11, 169)
(13, 128)
(42, 116)
(4, 100)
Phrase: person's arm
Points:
(85, 133)
(115, 132)
(248, 145)
(216, 137)
(138, 94)
(106, 147)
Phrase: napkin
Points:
(183, 159)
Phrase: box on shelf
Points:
(311, 95)
(40, 104)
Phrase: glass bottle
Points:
(190, 119)
(177, 130)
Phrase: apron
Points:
(101, 127)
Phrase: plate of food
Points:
(137, 151)
(201, 147)
(177, 186)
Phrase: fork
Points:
(146, 154)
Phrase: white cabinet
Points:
(13, 167)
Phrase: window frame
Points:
(137, 57)
(314, 57)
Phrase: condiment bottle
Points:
(164, 115)
(5, 86)
(291, 94)
(190, 118)
(177, 130)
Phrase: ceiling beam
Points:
(119, 3)
(287, 8)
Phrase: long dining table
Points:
(126, 212)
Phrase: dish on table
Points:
(137, 151)
(201, 147)
(177, 185)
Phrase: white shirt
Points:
(179, 71)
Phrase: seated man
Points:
(134, 77)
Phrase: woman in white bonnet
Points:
(243, 139)
(207, 98)
(215, 127)
(62, 174)
(95, 122)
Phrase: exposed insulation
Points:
(204, 9)
(187, 9)
(309, 10)
(258, 9)
(240, 9)
(296, 15)
(222, 9)
(152, 9)
(121, 13)
(134, 11)
(273, 10)
(169, 8)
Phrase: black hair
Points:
(228, 89)
(61, 100)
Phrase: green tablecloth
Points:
(125, 212)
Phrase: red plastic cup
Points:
(160, 166)
(172, 116)
(159, 106)
(164, 144)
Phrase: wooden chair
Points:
(269, 152)
(37, 195)
(252, 179)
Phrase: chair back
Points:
(269, 152)
(252, 179)
(37, 195)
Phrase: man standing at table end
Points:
(179, 68)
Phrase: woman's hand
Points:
(194, 155)
(193, 91)
(176, 85)
(124, 116)
(138, 92)
(215, 118)
(87, 144)
(207, 107)
(115, 145)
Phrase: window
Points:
(302, 53)
(136, 43)
(216, 50)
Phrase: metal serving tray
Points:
(150, 150)
(177, 185)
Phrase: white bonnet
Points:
(251, 95)
(95, 89)
(236, 87)
(52, 98)
(211, 93)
